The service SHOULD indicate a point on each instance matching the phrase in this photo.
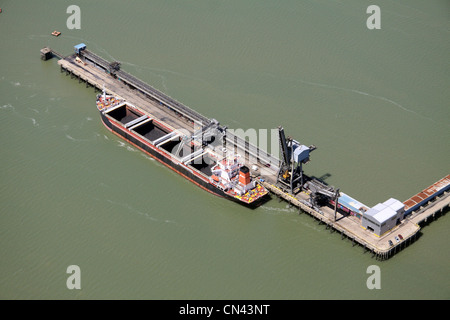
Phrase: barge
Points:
(225, 176)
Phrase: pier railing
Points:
(255, 152)
(232, 139)
(147, 89)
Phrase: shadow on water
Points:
(324, 177)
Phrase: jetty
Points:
(349, 227)
(284, 177)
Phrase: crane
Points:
(293, 156)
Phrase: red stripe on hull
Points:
(150, 145)
(151, 155)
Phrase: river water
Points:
(374, 102)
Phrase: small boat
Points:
(56, 33)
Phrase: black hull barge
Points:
(223, 176)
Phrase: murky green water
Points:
(375, 102)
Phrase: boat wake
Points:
(136, 211)
(359, 92)
(277, 210)
(126, 146)
(9, 106)
(77, 139)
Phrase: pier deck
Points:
(93, 70)
(438, 204)
(428, 194)
(97, 78)
(350, 226)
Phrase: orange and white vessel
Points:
(231, 175)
